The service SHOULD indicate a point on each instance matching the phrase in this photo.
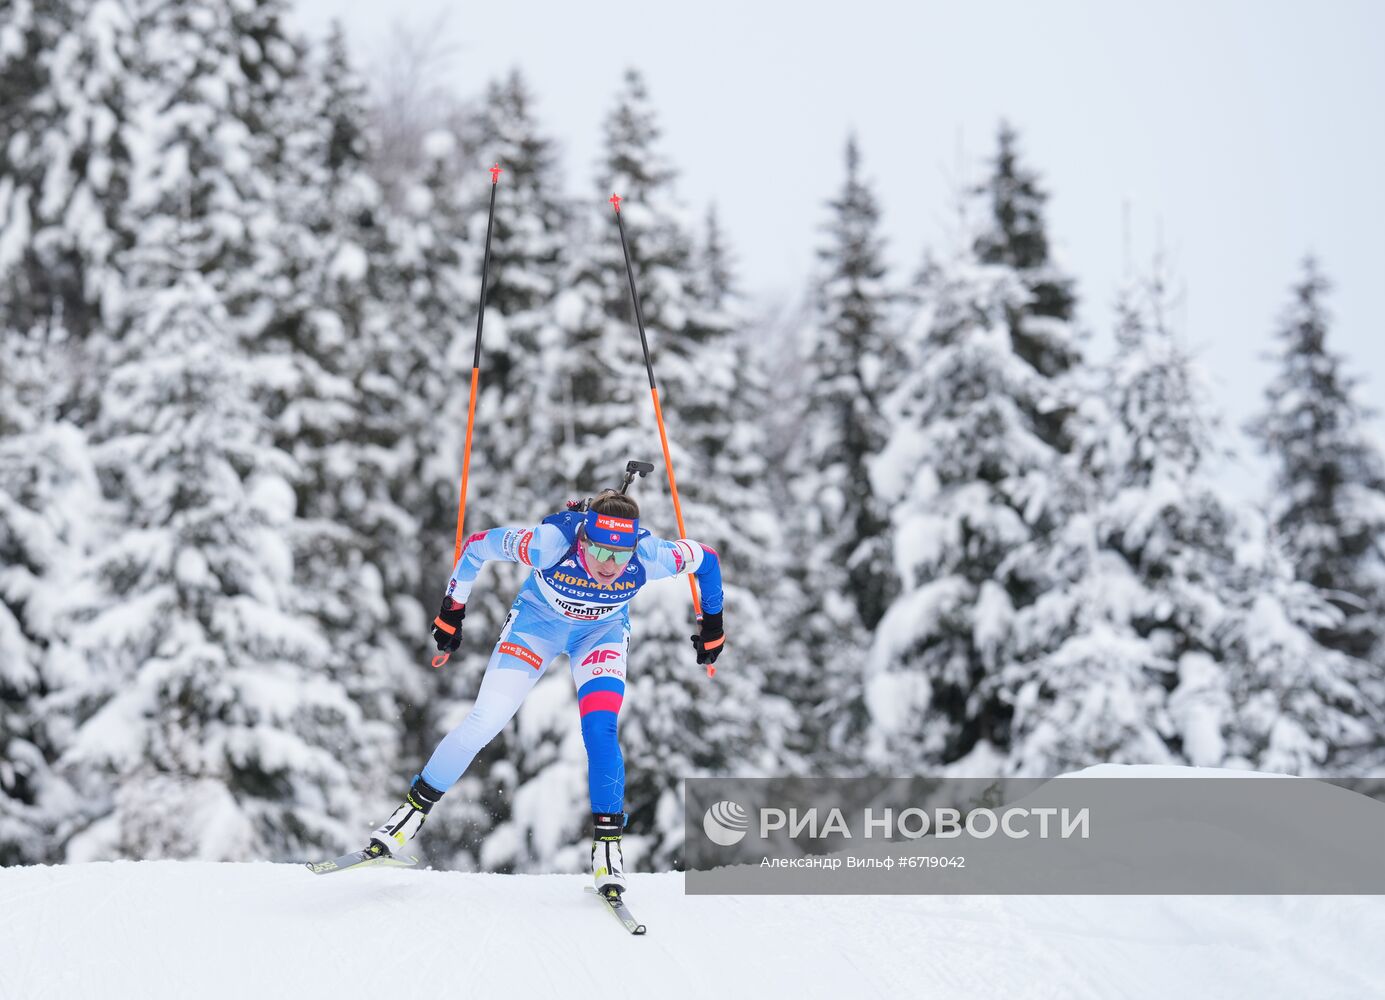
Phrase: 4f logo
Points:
(600, 656)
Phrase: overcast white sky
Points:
(1246, 133)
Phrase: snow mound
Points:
(154, 930)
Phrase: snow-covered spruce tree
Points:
(517, 413)
(716, 268)
(26, 768)
(1328, 506)
(420, 374)
(1040, 306)
(1141, 576)
(518, 410)
(49, 501)
(330, 282)
(209, 727)
(606, 389)
(747, 530)
(338, 263)
(1041, 303)
(956, 471)
(64, 166)
(854, 363)
(1299, 707)
(414, 388)
(1329, 485)
(841, 569)
(973, 475)
(796, 671)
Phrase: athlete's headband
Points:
(611, 532)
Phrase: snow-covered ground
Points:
(192, 930)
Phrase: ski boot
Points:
(392, 836)
(608, 868)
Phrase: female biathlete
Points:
(588, 562)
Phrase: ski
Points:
(619, 909)
(360, 859)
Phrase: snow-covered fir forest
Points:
(237, 304)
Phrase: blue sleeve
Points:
(663, 559)
(539, 547)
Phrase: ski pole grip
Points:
(441, 659)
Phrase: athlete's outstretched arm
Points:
(663, 558)
(541, 546)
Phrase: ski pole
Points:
(495, 172)
(658, 410)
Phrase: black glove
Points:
(447, 626)
(711, 640)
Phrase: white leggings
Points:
(533, 636)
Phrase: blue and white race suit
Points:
(563, 609)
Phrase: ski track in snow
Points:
(154, 930)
